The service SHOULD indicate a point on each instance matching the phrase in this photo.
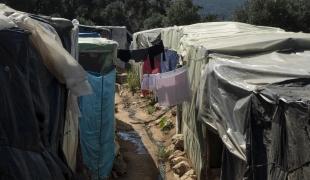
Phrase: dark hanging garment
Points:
(143, 54)
(124, 55)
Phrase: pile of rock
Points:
(179, 163)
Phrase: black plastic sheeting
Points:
(278, 135)
(31, 115)
(279, 132)
(260, 108)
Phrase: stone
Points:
(173, 113)
(176, 153)
(189, 175)
(170, 148)
(178, 142)
(181, 168)
(177, 160)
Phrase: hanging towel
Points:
(97, 125)
(173, 87)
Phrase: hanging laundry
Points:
(154, 51)
(147, 69)
(169, 61)
(149, 82)
(142, 54)
(139, 54)
(173, 87)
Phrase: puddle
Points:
(134, 138)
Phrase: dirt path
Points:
(137, 149)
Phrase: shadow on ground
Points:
(140, 164)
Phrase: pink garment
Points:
(149, 82)
(147, 69)
(173, 87)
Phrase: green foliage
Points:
(154, 21)
(135, 14)
(165, 124)
(210, 18)
(290, 15)
(163, 154)
(182, 12)
(150, 109)
(133, 80)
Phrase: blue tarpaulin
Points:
(97, 125)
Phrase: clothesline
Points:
(140, 55)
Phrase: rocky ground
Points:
(149, 148)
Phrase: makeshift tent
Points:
(97, 54)
(34, 78)
(197, 44)
(254, 104)
(97, 123)
(118, 34)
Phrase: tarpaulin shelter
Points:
(33, 96)
(94, 31)
(224, 96)
(97, 122)
(115, 33)
(97, 54)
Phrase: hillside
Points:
(222, 8)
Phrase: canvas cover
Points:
(198, 44)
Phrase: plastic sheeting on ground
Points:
(97, 125)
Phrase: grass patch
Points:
(163, 154)
(150, 109)
(133, 80)
(165, 124)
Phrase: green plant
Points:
(162, 153)
(150, 109)
(133, 80)
(165, 124)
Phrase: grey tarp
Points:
(233, 97)
(196, 43)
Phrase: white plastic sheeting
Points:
(58, 61)
(196, 43)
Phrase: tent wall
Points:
(197, 44)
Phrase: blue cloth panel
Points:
(172, 59)
(97, 125)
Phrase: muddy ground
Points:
(142, 140)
